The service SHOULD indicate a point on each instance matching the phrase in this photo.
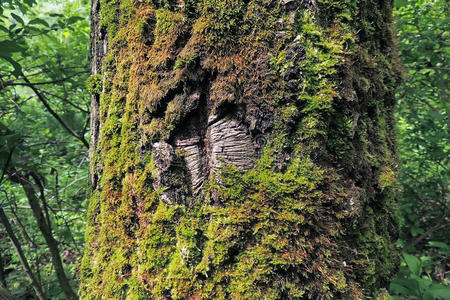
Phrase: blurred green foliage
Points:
(423, 112)
(45, 42)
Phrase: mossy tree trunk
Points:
(241, 150)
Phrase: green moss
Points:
(180, 63)
(280, 63)
(220, 21)
(94, 84)
(108, 15)
(387, 178)
(164, 21)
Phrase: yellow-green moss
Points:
(94, 84)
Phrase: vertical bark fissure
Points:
(97, 51)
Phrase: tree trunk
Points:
(241, 150)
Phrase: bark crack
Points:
(205, 142)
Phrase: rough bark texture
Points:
(241, 150)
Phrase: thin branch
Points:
(22, 229)
(44, 69)
(53, 113)
(43, 200)
(2, 86)
(56, 195)
(60, 210)
(428, 233)
(27, 83)
(68, 228)
(72, 183)
(64, 99)
(86, 124)
(2, 269)
(7, 164)
(18, 222)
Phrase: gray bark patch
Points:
(230, 143)
(225, 141)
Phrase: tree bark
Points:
(241, 150)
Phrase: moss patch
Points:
(94, 84)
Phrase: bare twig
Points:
(64, 99)
(27, 83)
(43, 200)
(53, 113)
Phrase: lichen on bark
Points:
(187, 202)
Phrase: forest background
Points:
(44, 132)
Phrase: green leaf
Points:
(9, 47)
(17, 18)
(439, 245)
(74, 19)
(414, 264)
(30, 2)
(415, 231)
(12, 26)
(398, 288)
(437, 292)
(39, 21)
(424, 284)
(5, 203)
(428, 296)
(17, 67)
(23, 8)
(406, 286)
